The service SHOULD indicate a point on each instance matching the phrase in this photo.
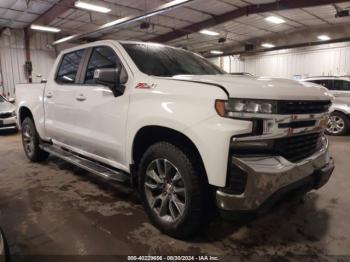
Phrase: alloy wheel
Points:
(28, 139)
(165, 190)
(335, 125)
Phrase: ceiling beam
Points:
(240, 12)
(54, 12)
(298, 45)
(126, 20)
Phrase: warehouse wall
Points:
(321, 60)
(12, 58)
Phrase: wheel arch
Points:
(24, 112)
(343, 112)
(148, 135)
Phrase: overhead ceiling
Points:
(238, 32)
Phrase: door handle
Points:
(49, 95)
(81, 98)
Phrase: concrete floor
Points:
(56, 208)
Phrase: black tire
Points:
(344, 121)
(194, 185)
(31, 141)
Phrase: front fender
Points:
(212, 138)
(178, 107)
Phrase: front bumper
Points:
(269, 177)
(8, 123)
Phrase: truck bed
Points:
(32, 95)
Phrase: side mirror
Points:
(110, 77)
(12, 100)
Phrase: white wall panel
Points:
(323, 60)
(215, 60)
(233, 64)
(42, 63)
(12, 59)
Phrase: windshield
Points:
(159, 60)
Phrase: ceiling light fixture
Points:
(129, 19)
(92, 7)
(216, 52)
(275, 19)
(208, 32)
(45, 28)
(64, 39)
(324, 37)
(267, 45)
(116, 22)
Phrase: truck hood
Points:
(6, 107)
(262, 87)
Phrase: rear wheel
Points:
(31, 141)
(171, 189)
(338, 124)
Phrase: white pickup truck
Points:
(178, 128)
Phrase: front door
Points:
(100, 116)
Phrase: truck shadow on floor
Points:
(9, 132)
(118, 191)
(295, 219)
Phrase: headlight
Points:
(13, 113)
(233, 106)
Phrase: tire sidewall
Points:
(186, 169)
(29, 122)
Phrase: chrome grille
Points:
(303, 107)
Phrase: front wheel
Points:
(338, 124)
(171, 189)
(31, 140)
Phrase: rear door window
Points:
(68, 70)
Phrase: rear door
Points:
(101, 116)
(60, 94)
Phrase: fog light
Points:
(236, 181)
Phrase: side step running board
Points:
(109, 174)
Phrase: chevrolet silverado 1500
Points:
(178, 128)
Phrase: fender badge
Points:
(145, 86)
